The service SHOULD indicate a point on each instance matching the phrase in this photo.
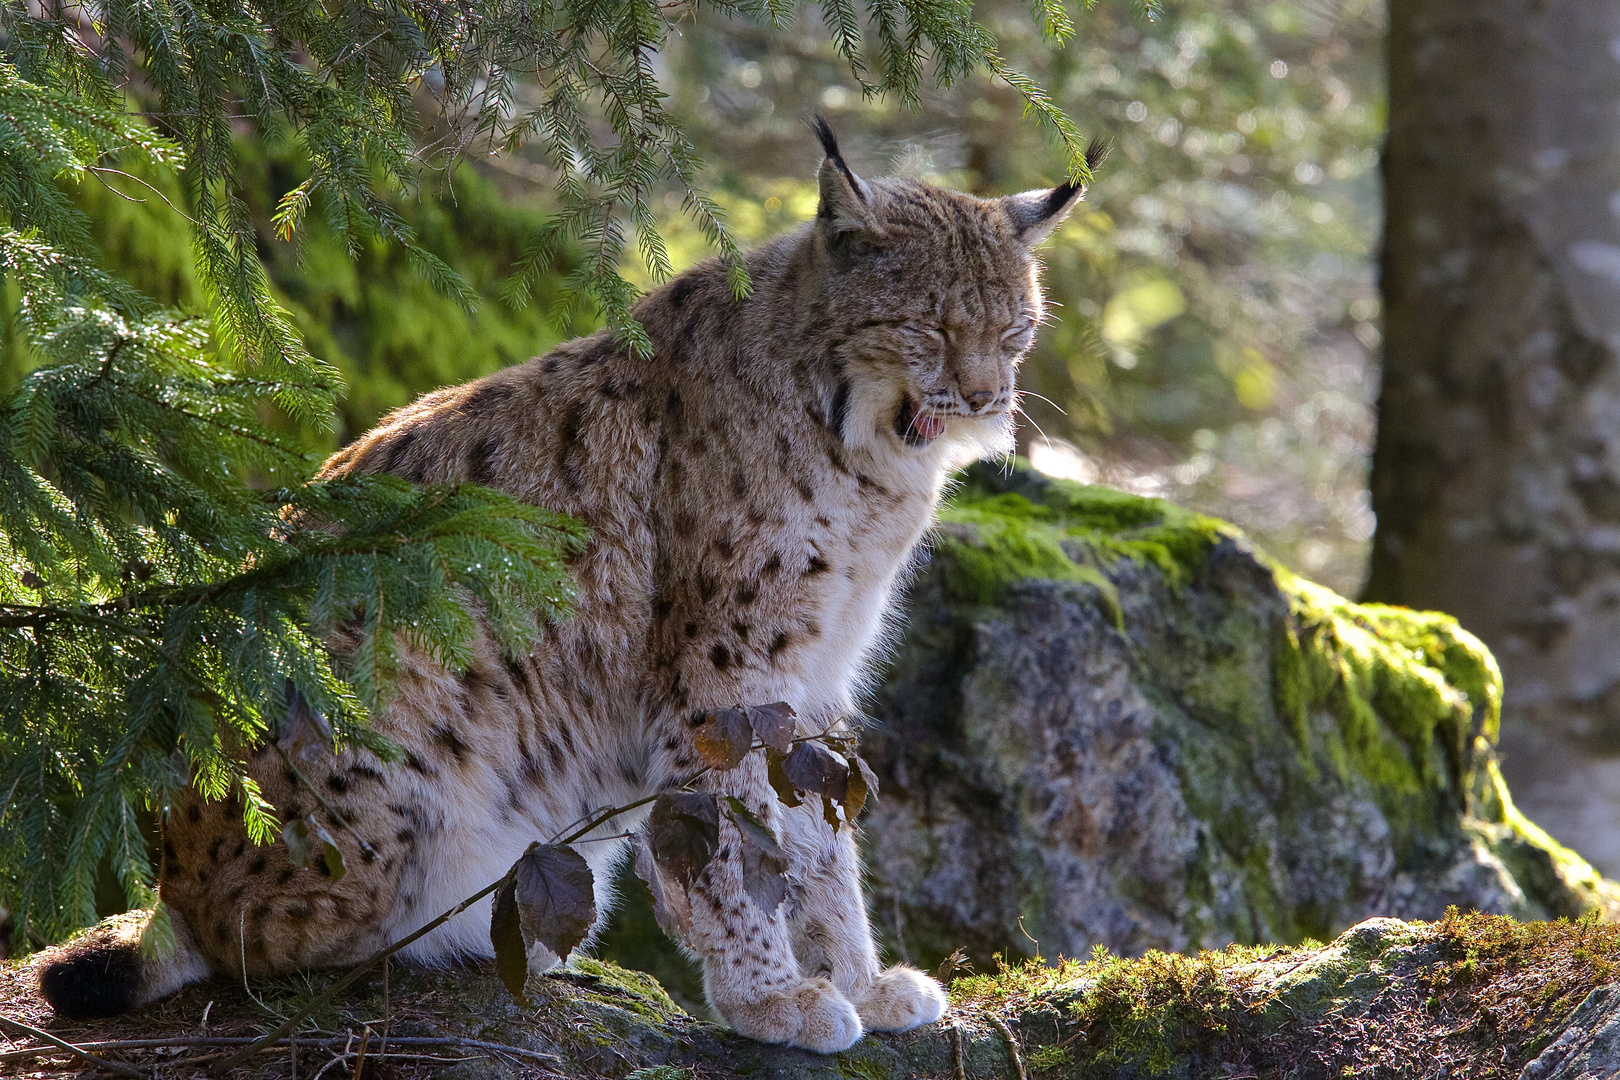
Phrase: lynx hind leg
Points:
(105, 971)
(832, 935)
(750, 974)
(253, 909)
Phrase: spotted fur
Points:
(755, 490)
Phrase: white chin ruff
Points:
(975, 440)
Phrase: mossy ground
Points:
(1471, 995)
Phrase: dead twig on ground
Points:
(223, 1042)
(62, 1046)
(1012, 1044)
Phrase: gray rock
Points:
(1589, 1048)
(1162, 741)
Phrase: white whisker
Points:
(912, 423)
(1042, 397)
(1031, 419)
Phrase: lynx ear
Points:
(846, 200)
(1035, 214)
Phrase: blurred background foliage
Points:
(1214, 327)
(389, 331)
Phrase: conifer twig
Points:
(200, 1042)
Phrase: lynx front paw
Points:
(902, 998)
(812, 1015)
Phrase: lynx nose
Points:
(979, 400)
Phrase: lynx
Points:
(755, 491)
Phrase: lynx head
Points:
(935, 296)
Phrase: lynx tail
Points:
(104, 971)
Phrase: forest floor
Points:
(1476, 996)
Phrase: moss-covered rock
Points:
(1112, 722)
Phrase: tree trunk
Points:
(1496, 476)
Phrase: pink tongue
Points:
(927, 427)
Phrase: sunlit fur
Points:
(755, 491)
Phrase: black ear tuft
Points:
(92, 977)
(829, 147)
(1097, 151)
(824, 132)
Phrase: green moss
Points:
(1565, 883)
(1000, 528)
(858, 1068)
(1415, 705)
(1050, 1058)
(1036, 526)
(1161, 1013)
(1412, 674)
(633, 939)
(1006, 538)
(642, 990)
(1016, 985)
